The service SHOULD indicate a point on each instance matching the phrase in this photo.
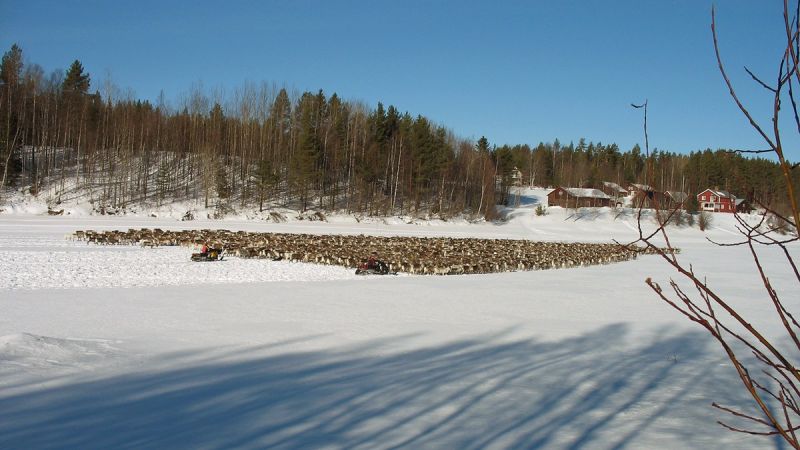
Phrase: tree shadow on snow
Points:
(590, 391)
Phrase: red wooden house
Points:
(717, 201)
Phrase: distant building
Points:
(615, 191)
(743, 206)
(516, 177)
(635, 187)
(578, 198)
(643, 195)
(674, 200)
(717, 201)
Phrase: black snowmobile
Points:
(375, 268)
(213, 254)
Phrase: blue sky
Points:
(514, 71)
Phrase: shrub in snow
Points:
(312, 216)
(222, 210)
(680, 218)
(277, 217)
(778, 224)
(704, 220)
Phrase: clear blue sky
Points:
(514, 71)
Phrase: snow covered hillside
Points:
(129, 347)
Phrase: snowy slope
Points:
(123, 347)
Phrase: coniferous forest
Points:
(260, 146)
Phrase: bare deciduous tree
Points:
(770, 377)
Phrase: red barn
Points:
(717, 201)
(577, 198)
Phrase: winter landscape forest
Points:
(270, 267)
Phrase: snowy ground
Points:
(125, 347)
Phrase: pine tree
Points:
(10, 70)
(305, 159)
(11, 66)
(76, 82)
(691, 204)
(483, 145)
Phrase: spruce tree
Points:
(11, 66)
(76, 82)
(10, 70)
(483, 145)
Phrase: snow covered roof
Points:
(584, 193)
(614, 186)
(641, 187)
(677, 196)
(719, 193)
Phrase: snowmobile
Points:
(213, 254)
(376, 268)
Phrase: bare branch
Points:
(753, 152)
(757, 80)
(728, 82)
(740, 414)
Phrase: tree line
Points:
(259, 146)
(262, 146)
(588, 164)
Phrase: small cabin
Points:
(743, 206)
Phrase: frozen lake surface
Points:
(130, 347)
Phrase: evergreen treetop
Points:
(11, 66)
(76, 82)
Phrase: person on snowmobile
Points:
(372, 266)
(372, 261)
(204, 250)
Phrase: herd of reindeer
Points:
(414, 255)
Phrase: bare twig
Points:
(757, 80)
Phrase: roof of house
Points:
(677, 196)
(586, 193)
(614, 187)
(641, 187)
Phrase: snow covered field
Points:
(126, 347)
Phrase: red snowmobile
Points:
(373, 266)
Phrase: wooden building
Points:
(615, 191)
(578, 198)
(717, 201)
(743, 206)
(674, 199)
(516, 177)
(645, 196)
